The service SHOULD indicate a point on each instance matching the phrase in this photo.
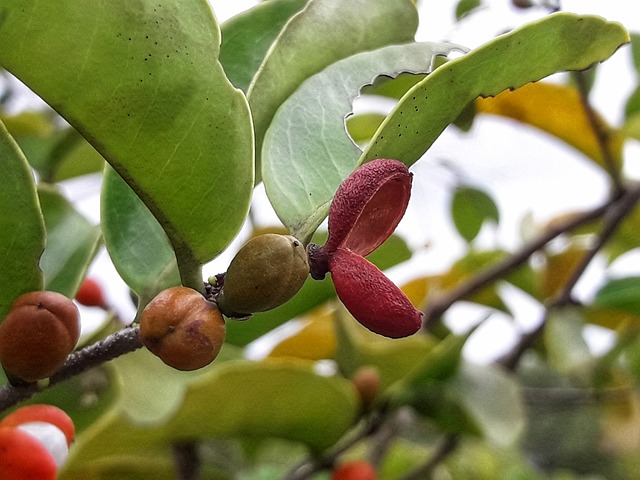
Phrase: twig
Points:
(314, 464)
(446, 446)
(186, 460)
(116, 344)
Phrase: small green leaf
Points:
(246, 38)
(141, 81)
(238, 399)
(362, 127)
(307, 152)
(324, 32)
(558, 42)
(465, 7)
(470, 209)
(620, 294)
(137, 245)
(72, 242)
(22, 234)
(491, 399)
(567, 351)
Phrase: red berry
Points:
(41, 413)
(23, 457)
(39, 332)
(355, 470)
(90, 294)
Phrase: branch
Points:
(445, 447)
(116, 344)
(486, 277)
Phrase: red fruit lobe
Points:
(355, 470)
(23, 457)
(368, 206)
(41, 413)
(374, 300)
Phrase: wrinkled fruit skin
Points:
(355, 470)
(267, 271)
(374, 300)
(37, 335)
(182, 328)
(90, 294)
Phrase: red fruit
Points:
(374, 300)
(90, 294)
(39, 332)
(41, 413)
(368, 206)
(355, 470)
(23, 457)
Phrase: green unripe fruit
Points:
(267, 271)
(182, 328)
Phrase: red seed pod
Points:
(355, 470)
(23, 457)
(39, 332)
(374, 300)
(90, 294)
(368, 206)
(41, 413)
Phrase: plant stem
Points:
(116, 344)
(187, 460)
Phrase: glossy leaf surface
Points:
(142, 82)
(555, 43)
(22, 234)
(137, 245)
(345, 28)
(301, 171)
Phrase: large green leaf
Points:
(322, 33)
(236, 399)
(621, 294)
(558, 42)
(307, 152)
(142, 82)
(21, 225)
(72, 242)
(246, 38)
(137, 245)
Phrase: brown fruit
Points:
(367, 383)
(182, 328)
(39, 332)
(267, 271)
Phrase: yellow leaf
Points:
(559, 111)
(316, 340)
(558, 269)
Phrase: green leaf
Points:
(307, 152)
(470, 209)
(246, 38)
(558, 42)
(22, 234)
(491, 399)
(465, 7)
(312, 294)
(137, 245)
(362, 127)
(567, 351)
(72, 242)
(238, 399)
(620, 294)
(142, 82)
(324, 32)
